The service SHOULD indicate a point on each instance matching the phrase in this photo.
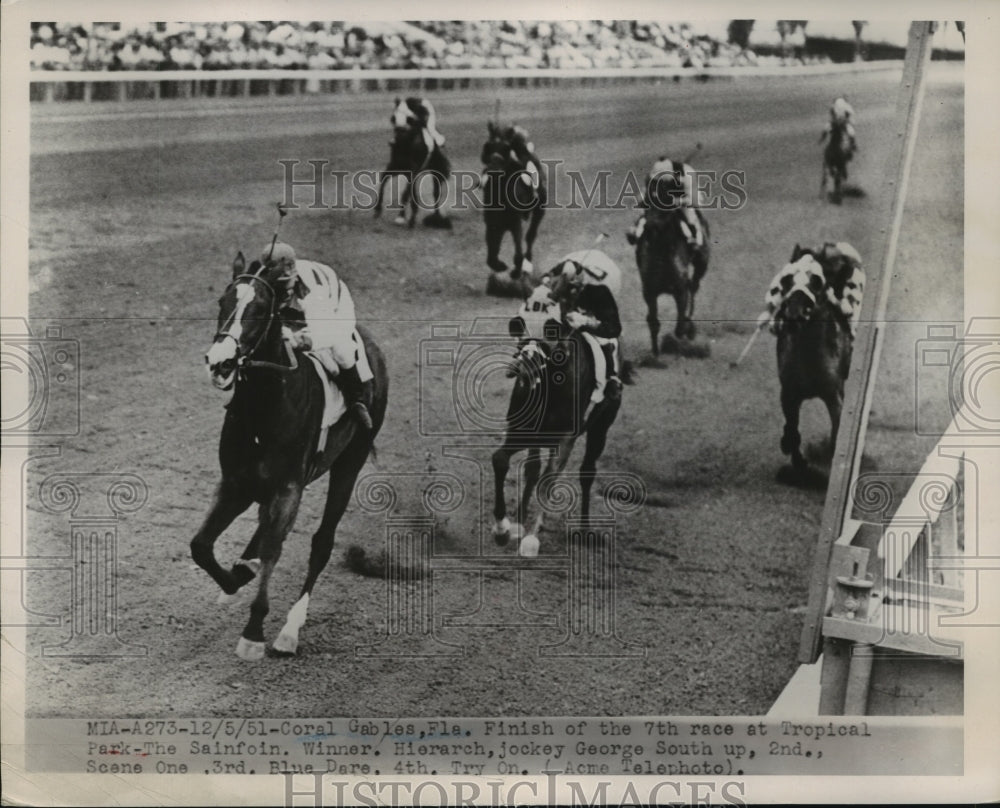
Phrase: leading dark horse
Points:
(668, 263)
(553, 384)
(269, 447)
(511, 197)
(836, 155)
(410, 157)
(814, 355)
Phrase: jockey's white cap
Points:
(280, 252)
(597, 269)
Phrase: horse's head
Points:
(402, 117)
(247, 313)
(803, 289)
(665, 191)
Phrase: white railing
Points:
(89, 85)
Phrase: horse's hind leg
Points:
(685, 326)
(834, 404)
(791, 440)
(342, 478)
(653, 321)
(529, 237)
(277, 517)
(557, 462)
(532, 468)
(597, 437)
(228, 504)
(494, 237)
(518, 236)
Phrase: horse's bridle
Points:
(243, 360)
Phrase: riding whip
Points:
(694, 151)
(749, 345)
(282, 212)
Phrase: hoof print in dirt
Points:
(500, 284)
(694, 349)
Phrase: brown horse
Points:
(510, 199)
(269, 446)
(669, 264)
(814, 355)
(549, 408)
(836, 155)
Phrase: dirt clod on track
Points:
(136, 214)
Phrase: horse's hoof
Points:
(400, 220)
(249, 650)
(225, 599)
(529, 546)
(527, 267)
(286, 644)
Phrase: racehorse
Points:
(269, 448)
(668, 263)
(553, 384)
(836, 155)
(814, 355)
(512, 196)
(412, 154)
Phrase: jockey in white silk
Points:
(842, 113)
(687, 201)
(418, 112)
(323, 301)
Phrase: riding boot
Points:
(354, 394)
(613, 385)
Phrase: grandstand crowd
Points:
(399, 45)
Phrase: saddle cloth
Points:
(334, 405)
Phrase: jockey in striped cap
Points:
(841, 112)
(318, 316)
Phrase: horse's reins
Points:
(243, 361)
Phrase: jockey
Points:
(524, 150)
(841, 113)
(419, 113)
(318, 316)
(835, 270)
(586, 283)
(685, 200)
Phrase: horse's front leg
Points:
(597, 437)
(653, 321)
(834, 405)
(229, 503)
(277, 517)
(501, 465)
(791, 440)
(412, 193)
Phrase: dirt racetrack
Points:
(136, 214)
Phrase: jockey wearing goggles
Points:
(683, 198)
(318, 315)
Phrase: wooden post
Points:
(859, 677)
(868, 344)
